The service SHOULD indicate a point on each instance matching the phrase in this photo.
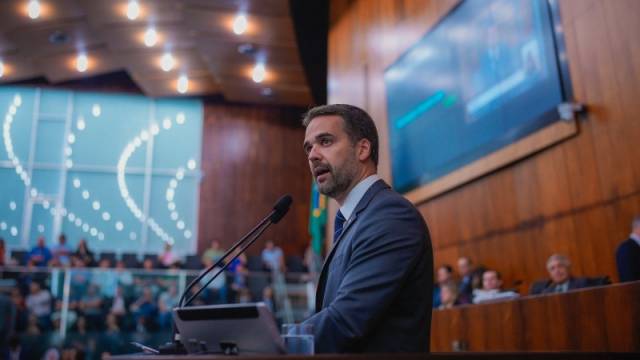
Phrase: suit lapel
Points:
(366, 199)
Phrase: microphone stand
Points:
(176, 346)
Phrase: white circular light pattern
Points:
(180, 118)
(106, 216)
(96, 110)
(167, 62)
(127, 152)
(80, 124)
(183, 84)
(119, 226)
(85, 227)
(68, 151)
(170, 195)
(101, 236)
(259, 73)
(132, 236)
(3, 226)
(85, 194)
(45, 204)
(150, 37)
(93, 231)
(240, 24)
(40, 228)
(68, 163)
(82, 63)
(96, 205)
(76, 183)
(24, 176)
(187, 234)
(133, 10)
(33, 9)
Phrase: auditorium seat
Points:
(193, 262)
(111, 256)
(130, 260)
(295, 264)
(20, 256)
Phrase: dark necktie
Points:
(338, 225)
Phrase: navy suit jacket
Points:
(628, 260)
(375, 289)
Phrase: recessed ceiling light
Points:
(33, 9)
(240, 24)
(150, 37)
(267, 92)
(183, 84)
(1, 68)
(82, 63)
(258, 73)
(133, 10)
(167, 62)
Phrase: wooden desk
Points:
(597, 319)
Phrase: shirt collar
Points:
(635, 237)
(356, 195)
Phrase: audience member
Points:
(444, 275)
(4, 254)
(7, 320)
(91, 307)
(144, 311)
(22, 313)
(628, 254)
(83, 252)
(166, 302)
(272, 257)
(560, 278)
(39, 304)
(40, 255)
(448, 295)
(105, 279)
(491, 288)
(213, 253)
(61, 252)
(465, 271)
(168, 256)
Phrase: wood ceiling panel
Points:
(36, 41)
(62, 67)
(197, 32)
(261, 29)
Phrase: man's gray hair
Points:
(560, 258)
(635, 224)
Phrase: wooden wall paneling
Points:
(251, 156)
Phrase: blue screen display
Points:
(482, 78)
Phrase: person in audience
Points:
(144, 310)
(91, 307)
(7, 320)
(268, 299)
(213, 253)
(272, 257)
(448, 295)
(168, 256)
(465, 271)
(56, 316)
(39, 304)
(444, 275)
(166, 302)
(4, 254)
(62, 252)
(40, 254)
(628, 254)
(105, 279)
(80, 280)
(492, 288)
(560, 278)
(22, 313)
(83, 252)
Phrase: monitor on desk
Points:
(230, 328)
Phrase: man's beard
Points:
(340, 179)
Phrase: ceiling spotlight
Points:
(167, 62)
(33, 9)
(1, 68)
(82, 63)
(133, 10)
(183, 84)
(150, 37)
(240, 24)
(258, 73)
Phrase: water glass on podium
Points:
(298, 339)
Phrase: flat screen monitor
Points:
(488, 74)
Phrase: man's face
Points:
(332, 157)
(464, 267)
(41, 242)
(558, 272)
(490, 281)
(443, 275)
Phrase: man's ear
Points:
(364, 149)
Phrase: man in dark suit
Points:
(560, 278)
(375, 289)
(628, 254)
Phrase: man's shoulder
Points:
(628, 245)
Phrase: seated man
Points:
(628, 254)
(560, 279)
(492, 288)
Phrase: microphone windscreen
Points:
(281, 208)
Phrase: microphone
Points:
(280, 209)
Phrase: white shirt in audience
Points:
(480, 295)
